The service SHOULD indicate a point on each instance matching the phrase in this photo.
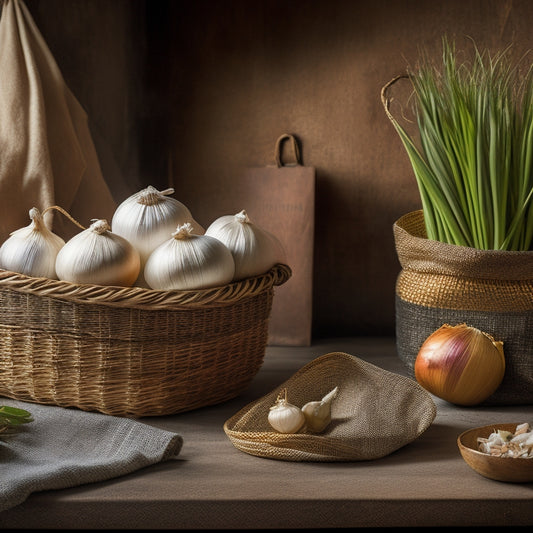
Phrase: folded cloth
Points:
(64, 448)
(47, 153)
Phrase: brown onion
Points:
(460, 364)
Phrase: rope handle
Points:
(68, 215)
(385, 99)
(295, 149)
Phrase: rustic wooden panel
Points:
(188, 93)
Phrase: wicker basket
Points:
(131, 351)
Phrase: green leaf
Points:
(12, 417)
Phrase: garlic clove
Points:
(503, 443)
(285, 417)
(318, 413)
(522, 428)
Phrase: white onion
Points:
(254, 249)
(98, 256)
(32, 250)
(189, 261)
(147, 218)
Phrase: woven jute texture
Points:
(374, 413)
(491, 290)
(131, 351)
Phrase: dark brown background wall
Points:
(188, 93)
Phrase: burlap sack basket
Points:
(130, 351)
(491, 290)
(375, 413)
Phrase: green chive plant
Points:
(473, 158)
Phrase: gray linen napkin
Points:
(67, 447)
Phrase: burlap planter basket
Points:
(491, 290)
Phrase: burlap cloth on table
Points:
(375, 413)
(47, 156)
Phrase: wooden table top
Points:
(213, 485)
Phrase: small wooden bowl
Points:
(509, 469)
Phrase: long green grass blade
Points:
(473, 161)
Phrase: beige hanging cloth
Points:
(47, 156)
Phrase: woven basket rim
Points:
(417, 252)
(143, 298)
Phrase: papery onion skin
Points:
(460, 364)
(285, 417)
(98, 257)
(32, 250)
(147, 219)
(188, 261)
(255, 250)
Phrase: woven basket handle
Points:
(385, 99)
(295, 149)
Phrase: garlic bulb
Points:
(460, 364)
(189, 261)
(147, 219)
(285, 417)
(318, 414)
(32, 250)
(254, 249)
(98, 256)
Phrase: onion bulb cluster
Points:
(460, 364)
(32, 250)
(148, 218)
(254, 249)
(153, 241)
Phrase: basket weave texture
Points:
(131, 351)
(491, 290)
